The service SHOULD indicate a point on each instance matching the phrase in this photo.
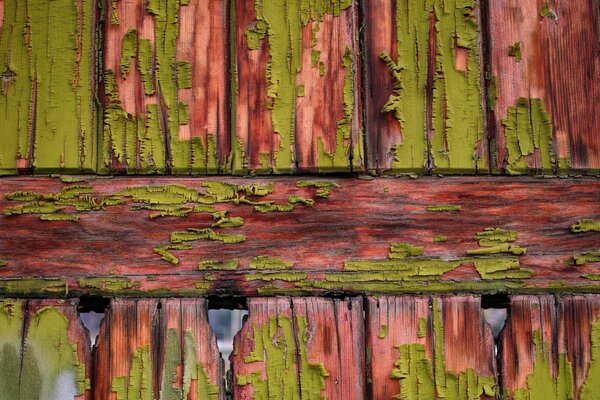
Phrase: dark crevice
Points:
(496, 311)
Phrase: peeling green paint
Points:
(586, 225)
(33, 208)
(33, 286)
(422, 331)
(514, 51)
(138, 384)
(195, 371)
(267, 262)
(60, 217)
(494, 236)
(269, 208)
(324, 188)
(129, 46)
(282, 27)
(591, 277)
(541, 383)
(47, 110)
(403, 250)
(500, 268)
(440, 239)
(3, 263)
(227, 222)
(383, 331)
(528, 130)
(278, 346)
(193, 234)
(443, 208)
(581, 259)
(165, 210)
(277, 276)
(501, 248)
(165, 252)
(455, 97)
(107, 283)
(300, 200)
(218, 265)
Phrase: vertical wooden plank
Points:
(165, 91)
(311, 350)
(298, 79)
(263, 361)
(544, 57)
(44, 350)
(47, 112)
(331, 335)
(424, 94)
(528, 348)
(458, 325)
(202, 363)
(579, 339)
(157, 349)
(126, 339)
(400, 347)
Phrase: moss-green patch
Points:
(165, 252)
(278, 346)
(60, 217)
(226, 265)
(528, 130)
(47, 110)
(403, 250)
(267, 262)
(270, 208)
(383, 332)
(514, 51)
(107, 283)
(288, 276)
(443, 208)
(193, 234)
(300, 200)
(586, 225)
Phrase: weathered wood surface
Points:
(166, 87)
(47, 110)
(297, 95)
(424, 97)
(44, 350)
(157, 348)
(301, 348)
(547, 109)
(340, 243)
(418, 348)
(549, 348)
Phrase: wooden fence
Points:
(368, 283)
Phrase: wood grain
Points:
(393, 321)
(559, 64)
(155, 347)
(302, 114)
(424, 99)
(301, 348)
(166, 99)
(358, 221)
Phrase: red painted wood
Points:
(357, 221)
(560, 65)
(400, 316)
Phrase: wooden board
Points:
(547, 105)
(150, 348)
(339, 244)
(47, 109)
(424, 98)
(297, 95)
(418, 351)
(550, 349)
(166, 87)
(305, 348)
(45, 350)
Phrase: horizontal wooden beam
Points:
(297, 235)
